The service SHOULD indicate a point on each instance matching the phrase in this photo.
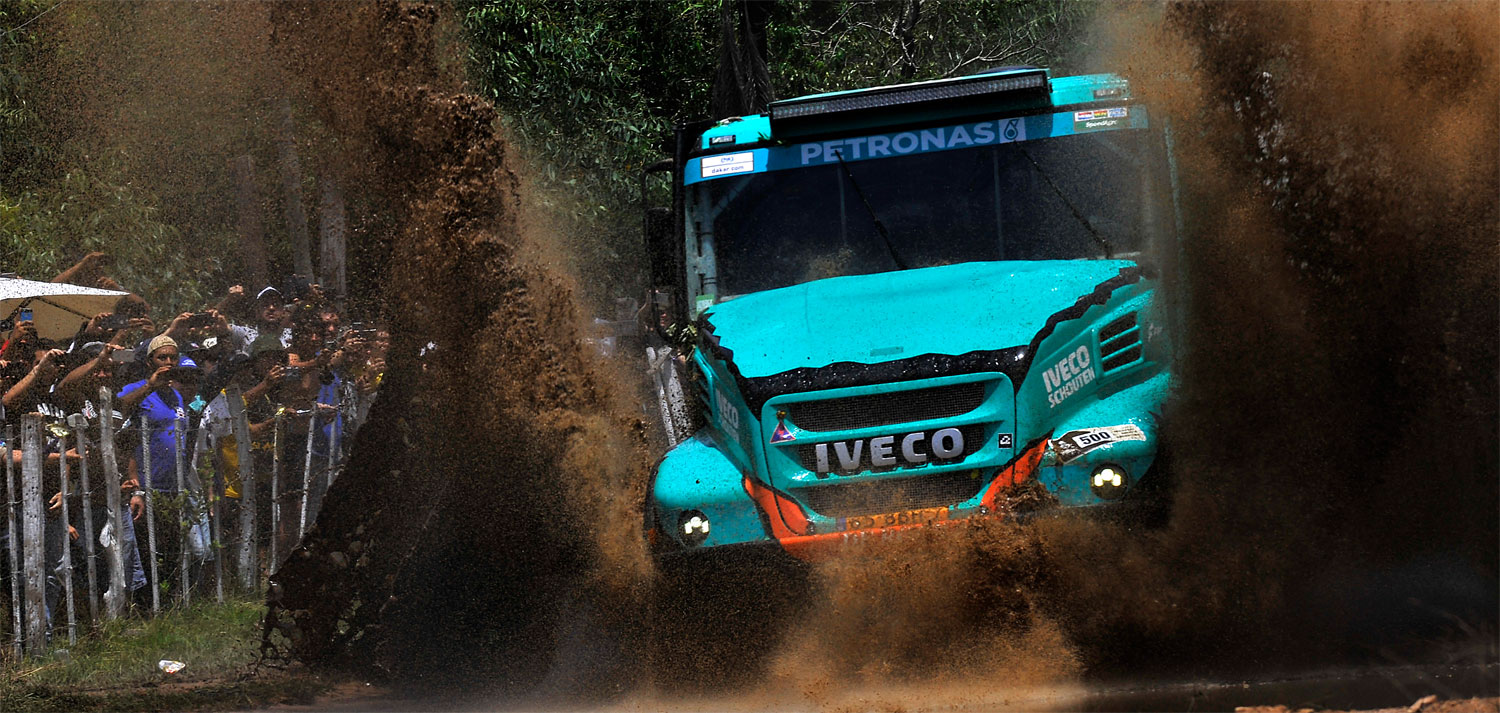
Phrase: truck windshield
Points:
(1081, 196)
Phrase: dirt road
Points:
(1463, 689)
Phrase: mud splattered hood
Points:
(890, 316)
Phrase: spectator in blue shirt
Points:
(157, 403)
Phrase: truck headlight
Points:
(1109, 482)
(693, 527)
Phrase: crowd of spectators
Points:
(294, 358)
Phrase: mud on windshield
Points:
(1084, 196)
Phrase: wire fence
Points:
(74, 552)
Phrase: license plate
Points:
(892, 519)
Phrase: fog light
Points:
(693, 526)
(1109, 482)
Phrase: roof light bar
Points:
(909, 95)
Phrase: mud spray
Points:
(1334, 432)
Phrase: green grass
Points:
(116, 668)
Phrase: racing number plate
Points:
(891, 519)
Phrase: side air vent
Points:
(1120, 343)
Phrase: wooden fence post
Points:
(80, 426)
(67, 547)
(334, 426)
(179, 432)
(114, 607)
(35, 543)
(143, 473)
(215, 501)
(12, 503)
(312, 427)
(249, 569)
(276, 426)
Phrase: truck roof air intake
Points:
(939, 100)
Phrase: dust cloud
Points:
(499, 477)
(1333, 435)
(1334, 430)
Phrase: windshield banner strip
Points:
(905, 143)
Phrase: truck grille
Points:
(886, 409)
(1120, 342)
(973, 441)
(890, 494)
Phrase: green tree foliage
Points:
(21, 152)
(43, 232)
(828, 46)
(592, 89)
(106, 144)
(117, 120)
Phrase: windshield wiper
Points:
(1109, 252)
(879, 226)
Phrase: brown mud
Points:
(498, 476)
(1334, 433)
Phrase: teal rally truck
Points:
(910, 306)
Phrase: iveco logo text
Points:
(886, 451)
(728, 415)
(1068, 375)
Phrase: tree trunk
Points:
(252, 232)
(333, 224)
(291, 192)
(743, 83)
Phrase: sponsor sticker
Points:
(726, 164)
(702, 303)
(781, 435)
(857, 148)
(924, 516)
(1097, 119)
(719, 140)
(1073, 444)
(1070, 374)
(1007, 440)
(729, 416)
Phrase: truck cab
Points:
(910, 306)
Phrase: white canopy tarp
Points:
(58, 309)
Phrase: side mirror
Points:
(660, 247)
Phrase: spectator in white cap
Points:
(157, 403)
(269, 315)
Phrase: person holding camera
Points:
(269, 316)
(264, 380)
(32, 390)
(157, 403)
(99, 367)
(182, 329)
(76, 394)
